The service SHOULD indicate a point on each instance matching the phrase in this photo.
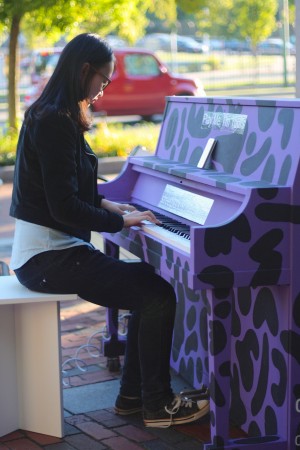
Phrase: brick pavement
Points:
(96, 429)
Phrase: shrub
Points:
(106, 139)
(8, 146)
(118, 139)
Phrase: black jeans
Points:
(109, 282)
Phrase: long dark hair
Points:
(65, 90)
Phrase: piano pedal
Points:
(196, 394)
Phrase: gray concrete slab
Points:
(92, 397)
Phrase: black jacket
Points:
(55, 180)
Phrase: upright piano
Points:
(224, 181)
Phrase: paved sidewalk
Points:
(6, 222)
(90, 388)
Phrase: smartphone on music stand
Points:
(210, 145)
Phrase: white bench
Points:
(30, 360)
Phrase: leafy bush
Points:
(8, 146)
(118, 139)
(106, 139)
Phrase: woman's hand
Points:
(119, 208)
(131, 215)
(138, 218)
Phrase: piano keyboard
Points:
(171, 231)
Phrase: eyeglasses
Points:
(104, 83)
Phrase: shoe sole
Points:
(127, 412)
(164, 423)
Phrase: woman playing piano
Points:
(56, 206)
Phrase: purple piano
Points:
(225, 182)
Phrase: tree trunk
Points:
(13, 74)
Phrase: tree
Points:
(192, 6)
(256, 21)
(253, 20)
(216, 20)
(52, 18)
(12, 14)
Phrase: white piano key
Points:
(167, 237)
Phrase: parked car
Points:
(216, 45)
(163, 41)
(236, 46)
(43, 61)
(275, 46)
(139, 85)
(116, 41)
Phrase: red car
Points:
(139, 85)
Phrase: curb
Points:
(107, 165)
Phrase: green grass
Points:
(224, 61)
(259, 85)
(105, 139)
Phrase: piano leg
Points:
(221, 302)
(113, 347)
(219, 328)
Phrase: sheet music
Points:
(186, 204)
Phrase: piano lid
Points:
(254, 141)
